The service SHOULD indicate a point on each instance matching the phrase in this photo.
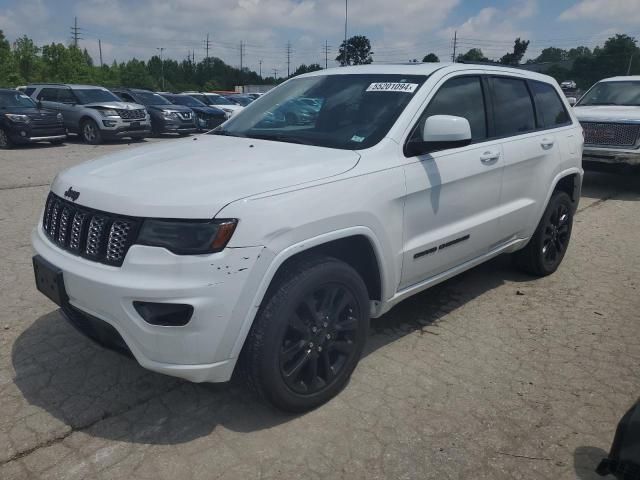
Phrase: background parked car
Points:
(215, 100)
(23, 121)
(240, 99)
(93, 112)
(165, 116)
(206, 117)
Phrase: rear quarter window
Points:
(551, 109)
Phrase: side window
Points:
(513, 107)
(126, 97)
(66, 96)
(461, 97)
(549, 105)
(48, 95)
(29, 91)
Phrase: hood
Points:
(216, 112)
(196, 177)
(33, 112)
(175, 108)
(115, 105)
(607, 113)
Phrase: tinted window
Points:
(15, 99)
(66, 96)
(48, 94)
(460, 97)
(95, 95)
(549, 105)
(513, 109)
(29, 91)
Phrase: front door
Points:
(451, 208)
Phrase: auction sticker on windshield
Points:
(392, 87)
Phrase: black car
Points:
(206, 117)
(23, 121)
(165, 116)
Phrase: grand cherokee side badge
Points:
(72, 194)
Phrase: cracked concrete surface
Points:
(490, 375)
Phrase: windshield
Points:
(186, 100)
(95, 95)
(148, 98)
(218, 100)
(613, 93)
(351, 111)
(244, 101)
(15, 99)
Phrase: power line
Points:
(76, 31)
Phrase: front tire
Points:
(91, 132)
(5, 141)
(546, 249)
(308, 335)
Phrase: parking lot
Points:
(491, 375)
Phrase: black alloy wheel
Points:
(308, 335)
(320, 339)
(556, 234)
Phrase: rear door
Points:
(68, 105)
(452, 195)
(526, 115)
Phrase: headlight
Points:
(60, 117)
(17, 118)
(109, 113)
(169, 114)
(187, 237)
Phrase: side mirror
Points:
(572, 101)
(441, 132)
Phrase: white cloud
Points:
(621, 11)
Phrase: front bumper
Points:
(611, 156)
(218, 286)
(116, 127)
(24, 133)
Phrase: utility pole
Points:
(326, 54)
(75, 32)
(161, 65)
(288, 59)
(260, 63)
(629, 67)
(346, 15)
(455, 45)
(100, 50)
(206, 47)
(275, 73)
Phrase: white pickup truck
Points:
(267, 245)
(610, 116)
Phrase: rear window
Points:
(48, 95)
(513, 108)
(550, 107)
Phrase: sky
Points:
(399, 30)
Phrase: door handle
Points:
(547, 143)
(489, 157)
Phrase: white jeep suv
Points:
(270, 245)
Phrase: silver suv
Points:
(93, 112)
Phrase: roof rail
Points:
(488, 63)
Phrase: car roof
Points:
(414, 68)
(626, 78)
(73, 86)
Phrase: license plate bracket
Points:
(135, 124)
(49, 281)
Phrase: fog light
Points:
(164, 314)
(109, 123)
(23, 133)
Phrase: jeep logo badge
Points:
(72, 194)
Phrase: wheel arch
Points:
(339, 244)
(569, 181)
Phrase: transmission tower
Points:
(288, 59)
(76, 32)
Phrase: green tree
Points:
(519, 49)
(25, 53)
(8, 70)
(473, 55)
(356, 51)
(578, 52)
(431, 58)
(551, 54)
(314, 67)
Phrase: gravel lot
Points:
(490, 375)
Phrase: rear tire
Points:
(308, 335)
(546, 249)
(5, 141)
(90, 132)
